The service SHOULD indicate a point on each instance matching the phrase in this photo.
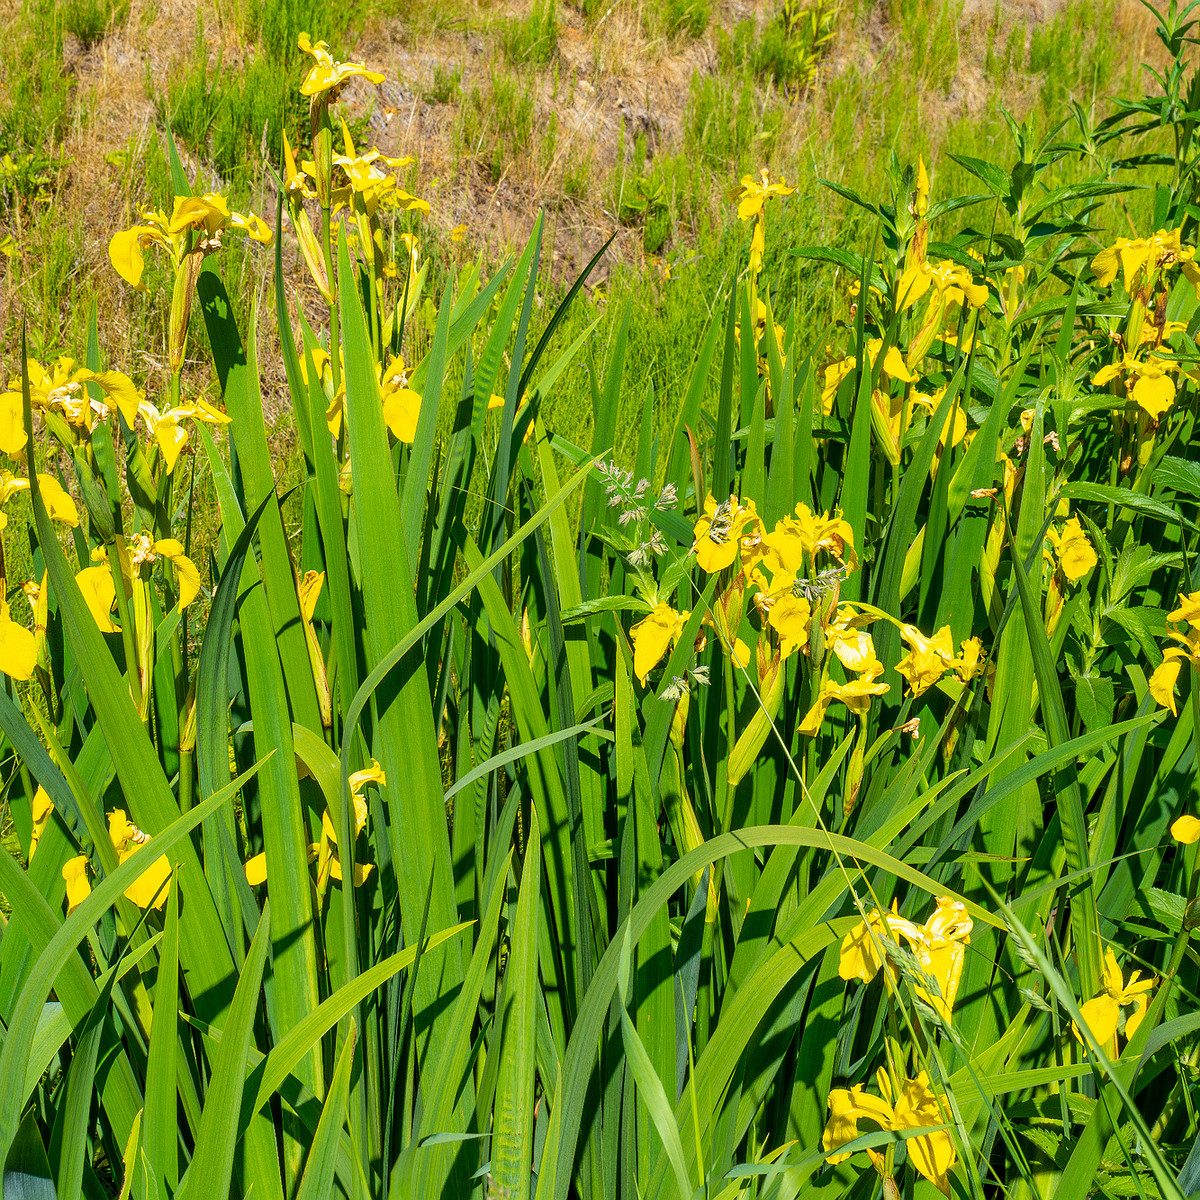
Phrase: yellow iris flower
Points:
(916, 1106)
(856, 651)
(956, 420)
(60, 387)
(853, 645)
(1188, 610)
(794, 541)
(752, 196)
(325, 75)
(951, 282)
(719, 532)
(1103, 1013)
(1074, 551)
(127, 839)
(99, 591)
(969, 663)
(209, 216)
(1147, 381)
(168, 429)
(939, 945)
(1137, 258)
(652, 636)
(367, 182)
(928, 659)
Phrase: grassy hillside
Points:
(631, 119)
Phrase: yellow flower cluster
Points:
(795, 569)
(1139, 260)
(929, 658)
(1144, 264)
(939, 947)
(58, 391)
(356, 175)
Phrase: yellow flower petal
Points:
(18, 649)
(210, 211)
(652, 636)
(791, 617)
(256, 870)
(100, 594)
(862, 949)
(401, 410)
(1101, 1016)
(187, 577)
(842, 1126)
(152, 887)
(12, 424)
(1186, 830)
(1188, 610)
(125, 253)
(719, 530)
(119, 389)
(42, 808)
(74, 873)
(1154, 392)
(1134, 1019)
(1105, 265)
(1162, 685)
(59, 504)
(811, 725)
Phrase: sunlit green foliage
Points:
(793, 797)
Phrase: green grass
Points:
(90, 20)
(532, 39)
(625, 819)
